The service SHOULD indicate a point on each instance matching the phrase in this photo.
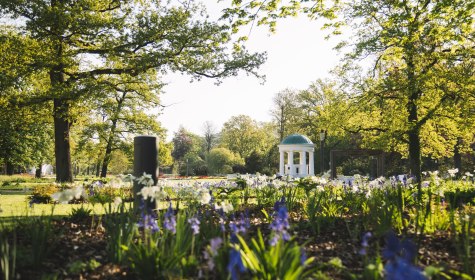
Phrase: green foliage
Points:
(119, 163)
(243, 135)
(120, 228)
(7, 254)
(282, 261)
(78, 266)
(125, 40)
(42, 194)
(220, 161)
(107, 194)
(39, 235)
(80, 214)
(162, 254)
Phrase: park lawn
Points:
(16, 205)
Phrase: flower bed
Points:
(258, 227)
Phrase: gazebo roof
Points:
(296, 139)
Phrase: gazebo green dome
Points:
(296, 139)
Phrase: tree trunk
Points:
(38, 171)
(110, 140)
(98, 168)
(10, 168)
(415, 154)
(108, 153)
(62, 147)
(107, 158)
(458, 156)
(415, 160)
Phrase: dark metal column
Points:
(145, 161)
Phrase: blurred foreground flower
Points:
(169, 221)
(399, 256)
(69, 194)
(280, 224)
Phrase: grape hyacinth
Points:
(169, 221)
(280, 224)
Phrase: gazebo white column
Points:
(296, 143)
(311, 164)
(290, 161)
(281, 163)
(303, 163)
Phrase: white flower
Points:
(468, 174)
(117, 201)
(63, 196)
(225, 206)
(148, 192)
(452, 172)
(128, 178)
(146, 180)
(205, 197)
(77, 192)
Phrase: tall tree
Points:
(123, 112)
(248, 139)
(285, 112)
(420, 37)
(82, 40)
(210, 135)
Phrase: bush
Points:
(108, 194)
(239, 168)
(42, 194)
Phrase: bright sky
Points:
(298, 54)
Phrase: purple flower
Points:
(195, 225)
(148, 222)
(280, 224)
(169, 221)
(240, 225)
(400, 255)
(215, 244)
(364, 243)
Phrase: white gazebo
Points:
(296, 143)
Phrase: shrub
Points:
(108, 194)
(80, 214)
(42, 194)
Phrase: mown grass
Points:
(16, 205)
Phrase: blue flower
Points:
(235, 264)
(399, 255)
(280, 224)
(364, 243)
(240, 225)
(169, 221)
(303, 256)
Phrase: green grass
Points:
(16, 205)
